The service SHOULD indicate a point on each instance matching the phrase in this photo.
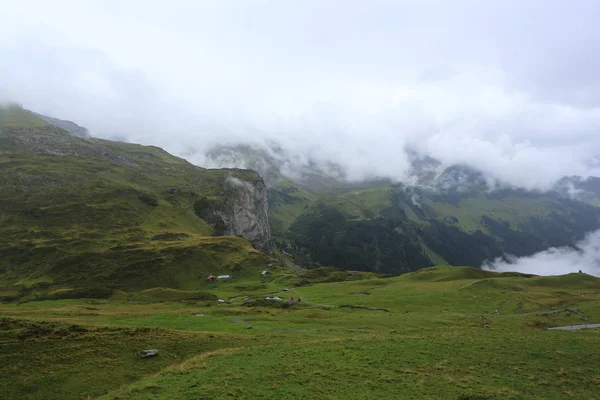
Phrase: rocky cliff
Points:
(246, 213)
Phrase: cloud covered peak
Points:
(509, 88)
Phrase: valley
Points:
(312, 200)
(253, 285)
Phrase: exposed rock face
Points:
(247, 215)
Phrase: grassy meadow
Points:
(439, 333)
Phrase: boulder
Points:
(147, 353)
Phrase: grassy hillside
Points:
(13, 116)
(287, 201)
(393, 228)
(438, 333)
(99, 214)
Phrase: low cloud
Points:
(556, 260)
(232, 180)
(502, 86)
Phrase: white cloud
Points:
(556, 260)
(233, 181)
(350, 82)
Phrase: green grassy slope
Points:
(439, 333)
(394, 228)
(13, 116)
(94, 213)
(287, 201)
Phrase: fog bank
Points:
(508, 87)
(556, 260)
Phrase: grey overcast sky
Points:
(510, 87)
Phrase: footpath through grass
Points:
(438, 334)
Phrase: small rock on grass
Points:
(147, 353)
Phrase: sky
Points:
(556, 260)
(509, 87)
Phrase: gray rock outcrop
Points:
(247, 214)
(147, 353)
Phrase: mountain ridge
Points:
(86, 212)
(442, 215)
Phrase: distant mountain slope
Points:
(275, 167)
(395, 228)
(445, 215)
(587, 190)
(80, 212)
